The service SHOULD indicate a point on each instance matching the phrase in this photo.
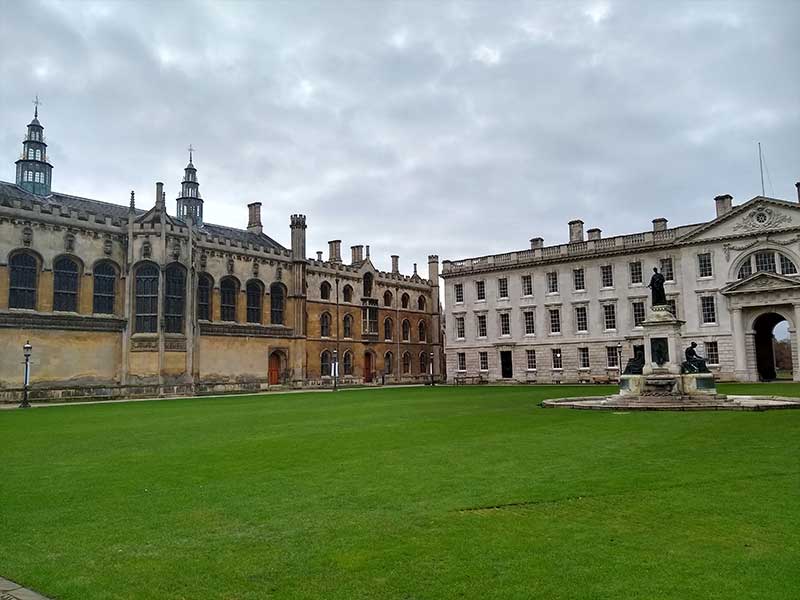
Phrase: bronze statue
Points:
(635, 365)
(657, 286)
(694, 362)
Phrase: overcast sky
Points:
(457, 128)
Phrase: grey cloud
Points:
(451, 128)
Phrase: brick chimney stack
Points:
(395, 263)
(594, 233)
(537, 242)
(575, 231)
(659, 224)
(254, 217)
(357, 253)
(724, 204)
(335, 251)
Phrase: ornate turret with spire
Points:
(190, 204)
(33, 171)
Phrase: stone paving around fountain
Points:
(623, 403)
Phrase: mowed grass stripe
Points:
(358, 495)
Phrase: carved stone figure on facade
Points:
(69, 243)
(203, 260)
(176, 250)
(659, 296)
(694, 362)
(147, 249)
(255, 268)
(230, 265)
(107, 246)
(27, 236)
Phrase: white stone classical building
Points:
(572, 312)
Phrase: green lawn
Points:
(379, 494)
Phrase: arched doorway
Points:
(773, 356)
(275, 367)
(369, 367)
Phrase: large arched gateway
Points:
(767, 358)
(758, 304)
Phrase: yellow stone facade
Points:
(83, 353)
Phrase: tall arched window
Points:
(325, 364)
(388, 363)
(406, 363)
(277, 301)
(204, 287)
(105, 282)
(325, 325)
(254, 294)
(367, 285)
(388, 328)
(347, 326)
(23, 279)
(65, 284)
(146, 298)
(422, 331)
(347, 293)
(421, 303)
(406, 330)
(387, 298)
(325, 290)
(174, 298)
(348, 363)
(404, 300)
(227, 303)
(423, 363)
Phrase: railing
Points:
(605, 244)
(572, 249)
(551, 251)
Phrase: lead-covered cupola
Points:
(190, 204)
(34, 172)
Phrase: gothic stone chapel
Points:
(119, 301)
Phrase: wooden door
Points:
(274, 368)
(368, 367)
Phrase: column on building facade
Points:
(192, 329)
(241, 304)
(739, 345)
(796, 345)
(127, 299)
(85, 304)
(435, 328)
(162, 280)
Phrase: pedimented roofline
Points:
(766, 282)
(732, 214)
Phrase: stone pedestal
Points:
(662, 349)
(661, 379)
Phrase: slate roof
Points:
(11, 191)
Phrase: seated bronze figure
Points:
(694, 362)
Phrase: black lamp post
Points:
(26, 350)
(431, 367)
(335, 369)
(619, 359)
